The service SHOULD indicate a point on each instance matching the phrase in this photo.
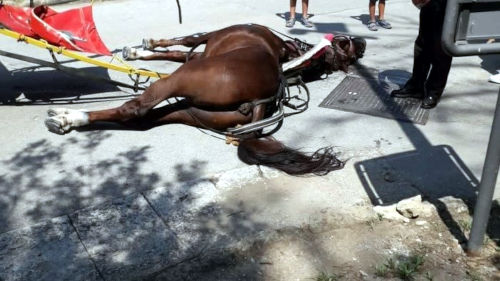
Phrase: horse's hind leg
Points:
(61, 120)
(183, 113)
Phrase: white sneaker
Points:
(495, 78)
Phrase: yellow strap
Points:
(119, 60)
(74, 55)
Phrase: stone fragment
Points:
(414, 207)
(390, 213)
(410, 207)
(420, 223)
(456, 204)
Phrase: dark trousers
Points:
(428, 53)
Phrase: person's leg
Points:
(414, 87)
(293, 4)
(291, 21)
(371, 9)
(421, 64)
(381, 15)
(305, 8)
(305, 14)
(381, 9)
(440, 61)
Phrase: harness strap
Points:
(301, 43)
(258, 125)
(283, 100)
(247, 107)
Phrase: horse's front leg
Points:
(176, 56)
(188, 41)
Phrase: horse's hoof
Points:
(61, 120)
(57, 111)
(57, 125)
(129, 53)
(125, 53)
(147, 44)
(232, 140)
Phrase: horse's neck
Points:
(293, 49)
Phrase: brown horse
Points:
(241, 65)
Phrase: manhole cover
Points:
(366, 96)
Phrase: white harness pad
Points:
(325, 41)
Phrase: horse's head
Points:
(344, 51)
(331, 54)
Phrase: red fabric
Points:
(73, 29)
(16, 19)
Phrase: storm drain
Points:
(367, 96)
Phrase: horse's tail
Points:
(272, 153)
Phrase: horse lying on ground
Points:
(241, 65)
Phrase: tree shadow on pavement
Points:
(44, 180)
(363, 18)
(40, 85)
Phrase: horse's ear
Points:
(360, 46)
(344, 45)
(342, 54)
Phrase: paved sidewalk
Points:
(115, 204)
(136, 236)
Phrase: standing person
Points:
(305, 16)
(431, 64)
(372, 25)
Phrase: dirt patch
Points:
(374, 249)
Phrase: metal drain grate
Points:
(366, 96)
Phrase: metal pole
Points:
(32, 4)
(486, 187)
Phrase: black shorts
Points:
(375, 1)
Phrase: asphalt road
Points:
(43, 175)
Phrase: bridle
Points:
(299, 46)
(351, 52)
